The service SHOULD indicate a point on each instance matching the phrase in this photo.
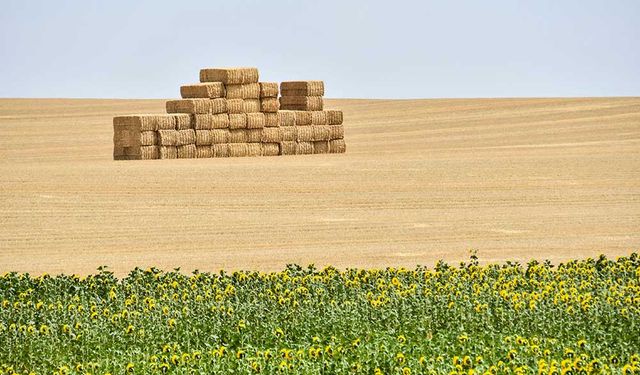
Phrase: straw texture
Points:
(168, 152)
(254, 149)
(148, 138)
(337, 146)
(272, 135)
(254, 135)
(336, 131)
(302, 88)
(318, 118)
(237, 136)
(289, 133)
(320, 132)
(229, 76)
(185, 137)
(145, 122)
(168, 137)
(220, 136)
(220, 150)
(305, 133)
(237, 121)
(334, 117)
(288, 148)
(203, 152)
(255, 120)
(189, 106)
(303, 118)
(268, 89)
(269, 105)
(301, 103)
(243, 91)
(304, 148)
(203, 138)
(321, 147)
(271, 120)
(251, 106)
(270, 149)
(287, 118)
(203, 90)
(238, 149)
(187, 151)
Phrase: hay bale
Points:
(219, 121)
(321, 147)
(243, 91)
(238, 149)
(235, 106)
(139, 123)
(271, 120)
(189, 106)
(318, 118)
(305, 133)
(270, 149)
(254, 149)
(220, 150)
(255, 120)
(272, 135)
(336, 131)
(201, 121)
(288, 148)
(289, 133)
(149, 152)
(254, 135)
(251, 105)
(304, 148)
(187, 151)
(229, 76)
(303, 118)
(181, 120)
(287, 118)
(334, 117)
(237, 121)
(337, 146)
(148, 138)
(269, 105)
(268, 89)
(126, 135)
(237, 136)
(126, 153)
(219, 136)
(185, 137)
(203, 138)
(320, 132)
(301, 103)
(218, 105)
(168, 152)
(302, 88)
(203, 152)
(168, 137)
(208, 90)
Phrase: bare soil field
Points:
(422, 180)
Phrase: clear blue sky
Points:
(363, 49)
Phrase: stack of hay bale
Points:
(315, 131)
(230, 113)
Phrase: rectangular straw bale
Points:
(219, 121)
(337, 146)
(218, 105)
(203, 152)
(243, 91)
(238, 149)
(255, 120)
(304, 148)
(182, 121)
(203, 138)
(229, 76)
(219, 136)
(237, 121)
(235, 106)
(268, 89)
(270, 149)
(189, 106)
(201, 121)
(272, 135)
(187, 151)
(305, 133)
(269, 105)
(287, 118)
(168, 152)
(254, 135)
(254, 149)
(288, 148)
(168, 137)
(334, 117)
(271, 120)
(237, 136)
(251, 105)
(320, 132)
(126, 135)
(203, 90)
(321, 147)
(289, 133)
(185, 137)
(148, 138)
(318, 118)
(128, 152)
(140, 123)
(302, 88)
(220, 150)
(149, 152)
(301, 103)
(303, 118)
(336, 131)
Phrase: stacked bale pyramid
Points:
(230, 113)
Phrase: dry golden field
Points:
(422, 180)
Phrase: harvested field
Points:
(421, 180)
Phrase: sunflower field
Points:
(579, 317)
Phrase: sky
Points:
(361, 49)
